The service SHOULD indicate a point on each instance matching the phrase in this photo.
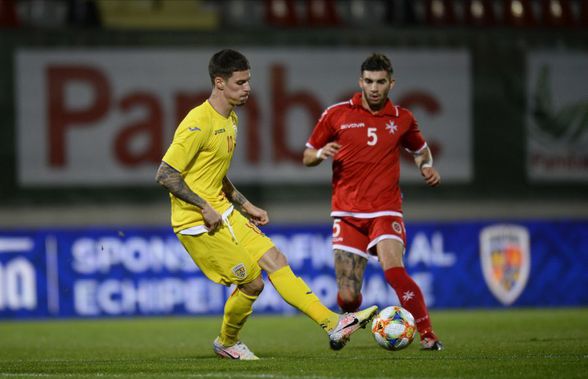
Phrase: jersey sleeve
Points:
(413, 140)
(323, 132)
(188, 140)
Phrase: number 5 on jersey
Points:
(372, 136)
(336, 227)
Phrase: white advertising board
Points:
(557, 116)
(104, 117)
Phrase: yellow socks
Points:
(296, 293)
(292, 289)
(237, 308)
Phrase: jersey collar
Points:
(388, 110)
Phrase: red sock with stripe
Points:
(411, 298)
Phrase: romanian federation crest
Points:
(506, 260)
(240, 271)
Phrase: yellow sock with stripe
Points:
(237, 308)
(296, 293)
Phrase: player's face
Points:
(237, 88)
(375, 86)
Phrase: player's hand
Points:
(257, 215)
(432, 177)
(212, 219)
(329, 150)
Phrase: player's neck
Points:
(220, 104)
(367, 107)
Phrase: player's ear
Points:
(392, 83)
(219, 83)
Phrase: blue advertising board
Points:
(104, 272)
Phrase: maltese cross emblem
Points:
(408, 295)
(391, 127)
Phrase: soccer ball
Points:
(394, 328)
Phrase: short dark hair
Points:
(377, 62)
(225, 62)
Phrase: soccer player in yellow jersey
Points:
(225, 243)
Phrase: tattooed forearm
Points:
(172, 180)
(231, 192)
(238, 198)
(349, 269)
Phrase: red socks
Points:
(411, 298)
(352, 306)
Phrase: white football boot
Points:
(348, 324)
(237, 351)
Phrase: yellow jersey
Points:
(201, 151)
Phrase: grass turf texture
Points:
(530, 343)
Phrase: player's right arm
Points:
(313, 157)
(320, 145)
(172, 180)
(189, 139)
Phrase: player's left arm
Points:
(424, 161)
(257, 215)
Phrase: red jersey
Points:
(366, 169)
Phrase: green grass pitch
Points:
(527, 343)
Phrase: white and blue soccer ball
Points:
(394, 328)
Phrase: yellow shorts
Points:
(229, 258)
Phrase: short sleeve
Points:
(323, 132)
(188, 140)
(413, 140)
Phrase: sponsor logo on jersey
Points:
(239, 271)
(219, 131)
(353, 125)
(506, 260)
(194, 129)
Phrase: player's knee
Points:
(280, 258)
(258, 288)
(348, 301)
(273, 260)
(253, 288)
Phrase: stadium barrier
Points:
(104, 272)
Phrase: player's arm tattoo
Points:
(231, 192)
(172, 180)
(423, 158)
(349, 269)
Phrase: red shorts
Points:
(360, 235)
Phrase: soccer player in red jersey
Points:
(364, 136)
